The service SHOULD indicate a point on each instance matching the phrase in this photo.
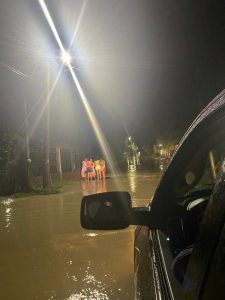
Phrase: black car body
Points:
(180, 240)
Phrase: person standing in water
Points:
(84, 168)
(98, 169)
(90, 169)
(103, 168)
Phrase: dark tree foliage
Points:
(13, 165)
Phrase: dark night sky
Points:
(146, 66)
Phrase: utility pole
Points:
(23, 168)
(27, 132)
(46, 160)
(58, 163)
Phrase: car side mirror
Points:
(113, 210)
(109, 210)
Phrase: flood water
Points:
(45, 254)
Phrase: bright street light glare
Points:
(66, 57)
(97, 129)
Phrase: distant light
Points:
(66, 57)
(160, 145)
(129, 138)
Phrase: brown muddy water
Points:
(45, 254)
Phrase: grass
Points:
(56, 188)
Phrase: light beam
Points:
(98, 132)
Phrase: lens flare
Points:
(48, 99)
(78, 22)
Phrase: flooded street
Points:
(45, 254)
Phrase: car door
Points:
(205, 272)
(187, 201)
(213, 286)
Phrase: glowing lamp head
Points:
(66, 57)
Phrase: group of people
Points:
(93, 169)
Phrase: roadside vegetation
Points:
(56, 188)
(16, 178)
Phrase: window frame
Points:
(207, 239)
(197, 272)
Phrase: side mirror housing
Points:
(113, 210)
(106, 211)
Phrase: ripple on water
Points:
(88, 294)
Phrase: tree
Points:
(13, 165)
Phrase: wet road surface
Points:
(45, 254)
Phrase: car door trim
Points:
(160, 272)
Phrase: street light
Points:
(66, 57)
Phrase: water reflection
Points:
(91, 234)
(142, 186)
(132, 180)
(94, 289)
(7, 203)
(93, 187)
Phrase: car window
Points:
(208, 171)
(208, 250)
(199, 226)
(193, 191)
(201, 169)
